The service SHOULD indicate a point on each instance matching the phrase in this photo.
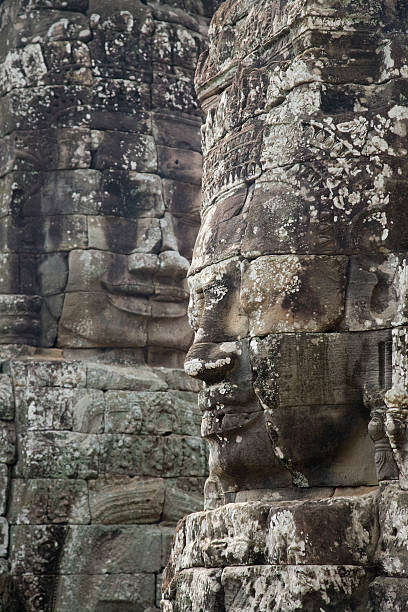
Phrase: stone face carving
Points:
(100, 172)
(299, 268)
(298, 282)
(100, 184)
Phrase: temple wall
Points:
(100, 178)
(298, 303)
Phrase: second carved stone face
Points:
(279, 410)
(299, 270)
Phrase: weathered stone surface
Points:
(4, 487)
(169, 456)
(279, 588)
(48, 501)
(271, 288)
(111, 377)
(388, 594)
(125, 500)
(178, 502)
(152, 412)
(280, 534)
(266, 588)
(376, 292)
(119, 549)
(392, 550)
(36, 549)
(106, 592)
(42, 409)
(58, 454)
(4, 537)
(195, 588)
(6, 398)
(7, 442)
(47, 373)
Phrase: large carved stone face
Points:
(100, 174)
(297, 271)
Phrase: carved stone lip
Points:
(147, 290)
(218, 422)
(227, 398)
(148, 307)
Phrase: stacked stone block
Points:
(100, 172)
(108, 460)
(299, 307)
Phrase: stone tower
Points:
(299, 308)
(100, 195)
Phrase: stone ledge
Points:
(284, 533)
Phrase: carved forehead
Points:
(303, 92)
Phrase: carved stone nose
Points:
(210, 362)
(173, 265)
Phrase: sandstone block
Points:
(179, 503)
(283, 533)
(166, 129)
(55, 149)
(388, 594)
(90, 320)
(121, 549)
(9, 269)
(192, 589)
(335, 423)
(215, 305)
(248, 589)
(178, 379)
(176, 93)
(73, 192)
(375, 294)
(131, 194)
(220, 235)
(121, 104)
(48, 501)
(123, 235)
(7, 442)
(67, 64)
(58, 408)
(35, 108)
(52, 274)
(47, 373)
(123, 151)
(4, 487)
(169, 456)
(115, 377)
(180, 164)
(108, 593)
(392, 552)
(133, 26)
(125, 500)
(50, 233)
(152, 413)
(87, 268)
(58, 454)
(40, 589)
(36, 549)
(4, 537)
(291, 293)
(6, 398)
